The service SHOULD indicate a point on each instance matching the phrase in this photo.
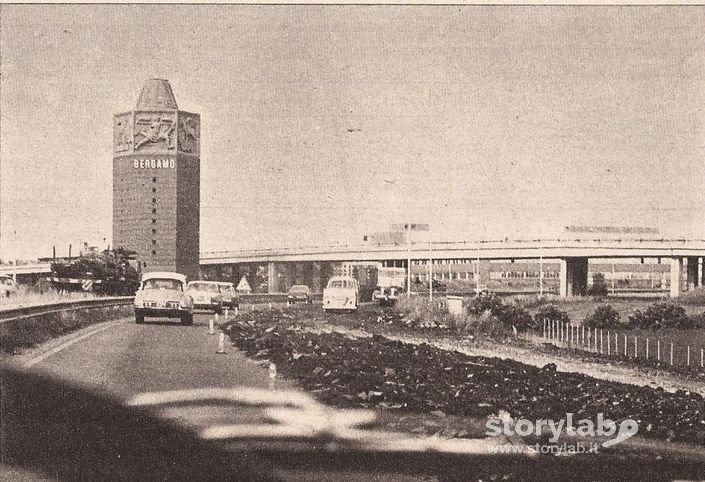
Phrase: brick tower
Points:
(156, 182)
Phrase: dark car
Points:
(299, 294)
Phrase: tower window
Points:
(154, 221)
(154, 199)
(154, 189)
(154, 179)
(154, 210)
(154, 241)
(154, 231)
(154, 251)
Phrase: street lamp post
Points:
(430, 271)
(408, 261)
(540, 272)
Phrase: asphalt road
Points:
(124, 358)
(64, 434)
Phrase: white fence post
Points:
(601, 344)
(647, 348)
(609, 350)
(658, 350)
(616, 344)
(671, 354)
(636, 348)
(625, 344)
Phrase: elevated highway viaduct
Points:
(312, 265)
(283, 267)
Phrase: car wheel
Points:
(139, 319)
(219, 310)
(187, 319)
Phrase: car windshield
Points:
(162, 284)
(207, 287)
(338, 283)
(227, 289)
(299, 289)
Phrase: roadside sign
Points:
(243, 285)
(87, 285)
(408, 227)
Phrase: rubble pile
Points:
(376, 372)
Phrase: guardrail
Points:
(272, 298)
(25, 312)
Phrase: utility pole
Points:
(408, 261)
(408, 228)
(430, 272)
(477, 277)
(540, 272)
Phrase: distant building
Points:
(156, 182)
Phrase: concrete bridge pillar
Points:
(573, 277)
(279, 277)
(692, 278)
(288, 278)
(316, 278)
(300, 274)
(484, 272)
(271, 278)
(676, 276)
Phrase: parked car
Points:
(341, 293)
(299, 294)
(7, 286)
(163, 295)
(206, 295)
(231, 298)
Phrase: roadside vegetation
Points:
(41, 294)
(524, 322)
(17, 335)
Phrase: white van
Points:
(341, 293)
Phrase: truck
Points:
(390, 285)
(377, 283)
(364, 272)
(111, 273)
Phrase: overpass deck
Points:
(483, 250)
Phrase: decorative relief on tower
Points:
(189, 133)
(122, 132)
(154, 130)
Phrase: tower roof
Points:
(156, 94)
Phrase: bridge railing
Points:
(439, 245)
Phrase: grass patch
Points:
(16, 335)
(694, 297)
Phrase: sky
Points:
(320, 124)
